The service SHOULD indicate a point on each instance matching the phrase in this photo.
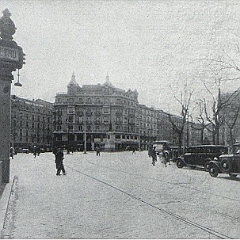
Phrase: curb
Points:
(4, 201)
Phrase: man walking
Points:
(59, 162)
(154, 156)
(98, 151)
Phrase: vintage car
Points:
(25, 150)
(200, 155)
(226, 163)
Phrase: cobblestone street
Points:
(119, 195)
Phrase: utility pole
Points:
(11, 59)
(85, 135)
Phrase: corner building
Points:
(104, 115)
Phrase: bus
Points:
(160, 146)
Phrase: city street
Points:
(118, 195)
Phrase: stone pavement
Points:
(117, 195)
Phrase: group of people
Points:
(164, 155)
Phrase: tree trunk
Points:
(180, 152)
(231, 140)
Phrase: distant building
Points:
(108, 117)
(31, 122)
(230, 114)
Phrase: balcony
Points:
(89, 113)
(118, 113)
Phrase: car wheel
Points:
(180, 163)
(233, 175)
(206, 165)
(226, 165)
(213, 171)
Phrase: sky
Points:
(158, 48)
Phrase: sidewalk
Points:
(35, 180)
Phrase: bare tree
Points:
(202, 124)
(216, 116)
(223, 69)
(178, 124)
(230, 115)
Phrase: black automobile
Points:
(227, 163)
(201, 155)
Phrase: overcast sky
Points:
(155, 47)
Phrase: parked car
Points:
(227, 163)
(25, 150)
(201, 155)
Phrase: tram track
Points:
(182, 185)
(179, 185)
(149, 204)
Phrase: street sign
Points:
(9, 54)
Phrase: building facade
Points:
(230, 115)
(31, 123)
(103, 115)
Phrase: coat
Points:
(58, 159)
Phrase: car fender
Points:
(216, 164)
(181, 159)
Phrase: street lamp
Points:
(18, 84)
(11, 58)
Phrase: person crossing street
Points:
(154, 156)
(59, 162)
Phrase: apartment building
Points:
(106, 116)
(31, 122)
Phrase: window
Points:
(59, 137)
(70, 119)
(70, 127)
(71, 110)
(106, 101)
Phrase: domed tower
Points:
(73, 87)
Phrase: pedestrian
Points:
(98, 151)
(150, 148)
(54, 150)
(59, 162)
(166, 158)
(11, 152)
(38, 151)
(134, 150)
(35, 151)
(154, 156)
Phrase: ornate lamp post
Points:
(11, 59)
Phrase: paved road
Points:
(119, 195)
